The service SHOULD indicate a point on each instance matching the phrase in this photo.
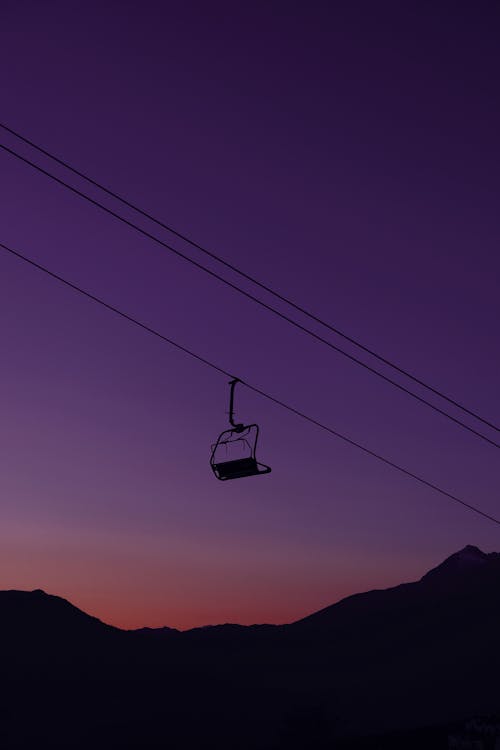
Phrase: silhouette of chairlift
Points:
(233, 455)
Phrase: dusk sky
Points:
(345, 154)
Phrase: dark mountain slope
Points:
(36, 611)
(414, 655)
(418, 652)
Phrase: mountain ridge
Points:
(416, 655)
(463, 562)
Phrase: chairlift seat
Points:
(241, 467)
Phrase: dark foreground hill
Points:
(381, 669)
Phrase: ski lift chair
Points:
(234, 452)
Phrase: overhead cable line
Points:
(246, 294)
(253, 388)
(248, 277)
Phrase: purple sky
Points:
(348, 157)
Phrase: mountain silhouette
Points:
(407, 659)
(36, 613)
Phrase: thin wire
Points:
(114, 309)
(253, 388)
(248, 277)
(246, 294)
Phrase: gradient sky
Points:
(347, 154)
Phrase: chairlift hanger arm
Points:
(236, 426)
